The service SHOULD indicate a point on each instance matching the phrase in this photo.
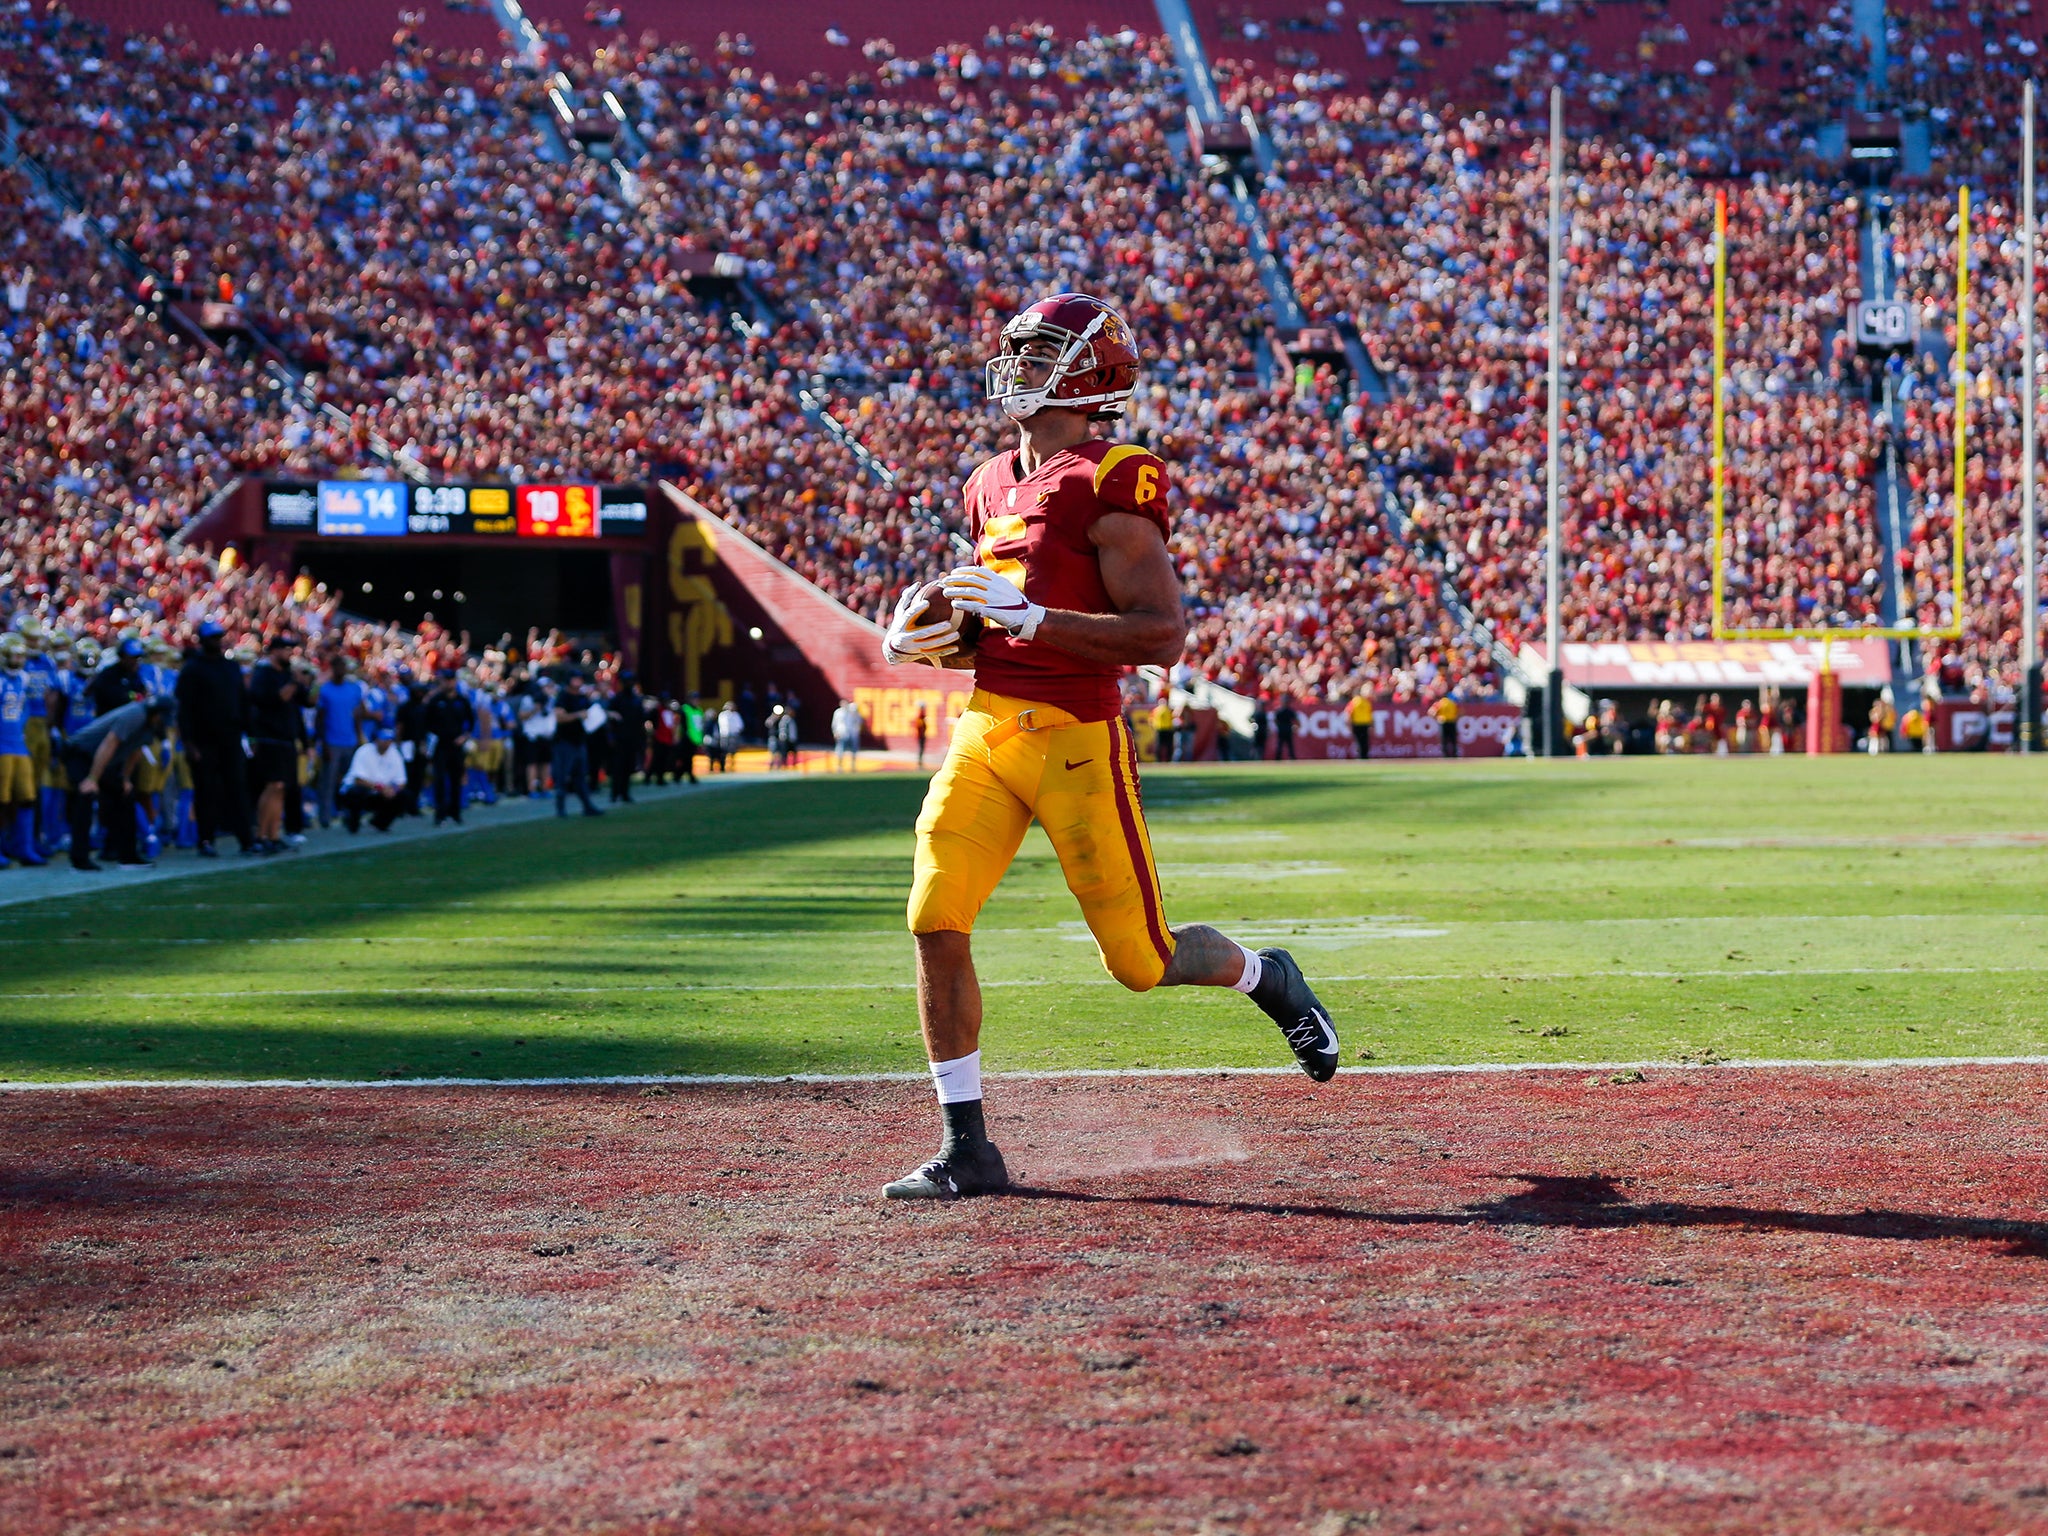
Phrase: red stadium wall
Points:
(361, 36)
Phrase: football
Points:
(939, 608)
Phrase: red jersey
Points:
(1034, 530)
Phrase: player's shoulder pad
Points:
(980, 475)
(1131, 478)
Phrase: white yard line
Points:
(729, 1080)
(557, 990)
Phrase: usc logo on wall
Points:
(700, 622)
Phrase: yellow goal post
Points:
(1722, 629)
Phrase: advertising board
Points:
(622, 512)
(1958, 725)
(291, 508)
(1405, 730)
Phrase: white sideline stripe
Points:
(743, 1080)
(1086, 981)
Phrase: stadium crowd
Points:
(422, 243)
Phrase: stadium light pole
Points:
(2030, 533)
(1553, 560)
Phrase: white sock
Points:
(1254, 968)
(958, 1080)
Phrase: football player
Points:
(1073, 584)
(18, 689)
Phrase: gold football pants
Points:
(1012, 761)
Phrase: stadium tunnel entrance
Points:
(682, 598)
(488, 592)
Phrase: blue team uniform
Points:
(17, 770)
(41, 673)
(16, 690)
(76, 688)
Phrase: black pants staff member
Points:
(276, 696)
(1284, 719)
(97, 759)
(628, 720)
(1446, 711)
(220, 789)
(448, 718)
(572, 748)
(412, 739)
(212, 714)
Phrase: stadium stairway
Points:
(1177, 22)
(1874, 271)
(1371, 382)
(521, 33)
(1199, 88)
(1470, 626)
(1867, 17)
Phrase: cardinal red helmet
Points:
(1070, 351)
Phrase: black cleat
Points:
(1284, 993)
(976, 1169)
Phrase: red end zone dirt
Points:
(1734, 1300)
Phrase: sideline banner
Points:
(1322, 731)
(1959, 726)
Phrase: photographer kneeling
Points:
(375, 784)
(98, 758)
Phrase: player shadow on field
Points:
(1592, 1201)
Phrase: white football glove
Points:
(908, 641)
(977, 589)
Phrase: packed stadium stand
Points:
(432, 270)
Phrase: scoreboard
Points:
(397, 509)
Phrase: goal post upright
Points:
(1962, 391)
(1720, 418)
(1553, 518)
(2030, 530)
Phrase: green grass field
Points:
(1516, 912)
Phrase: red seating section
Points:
(360, 30)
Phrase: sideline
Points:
(61, 881)
(742, 1080)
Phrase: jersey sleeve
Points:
(1133, 479)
